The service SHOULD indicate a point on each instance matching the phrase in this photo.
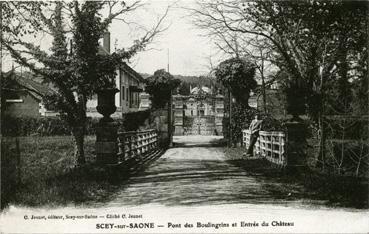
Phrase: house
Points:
(130, 84)
(25, 92)
(22, 95)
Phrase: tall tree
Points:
(316, 42)
(74, 68)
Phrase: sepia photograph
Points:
(184, 116)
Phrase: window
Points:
(122, 93)
(127, 94)
(13, 97)
(14, 100)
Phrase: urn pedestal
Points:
(107, 129)
(296, 145)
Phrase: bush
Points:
(272, 124)
(348, 157)
(347, 127)
(159, 86)
(54, 126)
(25, 126)
(133, 121)
(42, 126)
(237, 75)
(241, 119)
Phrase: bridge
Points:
(196, 171)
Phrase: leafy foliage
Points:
(45, 126)
(132, 121)
(159, 86)
(241, 119)
(296, 98)
(74, 68)
(237, 75)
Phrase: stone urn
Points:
(106, 146)
(106, 103)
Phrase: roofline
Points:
(130, 70)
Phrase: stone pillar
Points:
(161, 122)
(296, 145)
(178, 115)
(107, 129)
(219, 113)
(106, 142)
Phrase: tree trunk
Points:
(322, 140)
(78, 133)
(170, 121)
(230, 119)
(264, 94)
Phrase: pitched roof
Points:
(203, 89)
(132, 72)
(28, 81)
(124, 66)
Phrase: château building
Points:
(200, 113)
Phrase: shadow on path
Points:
(195, 180)
(198, 141)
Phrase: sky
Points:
(189, 50)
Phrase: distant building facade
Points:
(200, 113)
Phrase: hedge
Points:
(25, 126)
(50, 126)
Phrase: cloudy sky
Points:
(189, 51)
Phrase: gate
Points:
(204, 125)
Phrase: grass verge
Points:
(45, 174)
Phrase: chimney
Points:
(106, 41)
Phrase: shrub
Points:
(159, 87)
(25, 126)
(133, 121)
(42, 126)
(347, 157)
(272, 124)
(237, 75)
(241, 119)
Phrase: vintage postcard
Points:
(188, 116)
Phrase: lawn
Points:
(43, 174)
(337, 191)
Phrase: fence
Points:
(271, 145)
(136, 144)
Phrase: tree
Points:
(237, 75)
(314, 41)
(160, 86)
(74, 68)
(235, 44)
